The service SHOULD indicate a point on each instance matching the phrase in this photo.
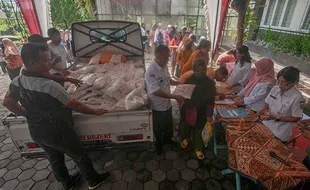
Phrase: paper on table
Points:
(184, 90)
(225, 101)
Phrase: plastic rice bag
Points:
(71, 89)
(117, 58)
(135, 99)
(139, 73)
(78, 94)
(105, 68)
(138, 63)
(100, 81)
(118, 90)
(88, 95)
(95, 59)
(119, 106)
(99, 92)
(107, 102)
(89, 79)
(97, 100)
(140, 83)
(86, 70)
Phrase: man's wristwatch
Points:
(278, 118)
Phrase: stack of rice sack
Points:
(116, 86)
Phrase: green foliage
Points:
(11, 25)
(296, 43)
(66, 12)
(250, 23)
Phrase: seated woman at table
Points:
(285, 104)
(195, 112)
(254, 93)
(242, 70)
(202, 52)
(184, 52)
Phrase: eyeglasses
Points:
(283, 82)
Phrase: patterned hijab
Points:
(9, 47)
(264, 73)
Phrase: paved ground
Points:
(130, 169)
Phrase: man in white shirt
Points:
(57, 50)
(158, 83)
(159, 37)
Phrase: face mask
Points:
(200, 75)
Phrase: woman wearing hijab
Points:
(195, 112)
(257, 89)
(184, 53)
(202, 52)
(242, 69)
(12, 58)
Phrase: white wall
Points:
(297, 19)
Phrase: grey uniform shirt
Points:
(58, 50)
(158, 78)
(288, 104)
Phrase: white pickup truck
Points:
(111, 130)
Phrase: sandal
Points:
(199, 155)
(184, 143)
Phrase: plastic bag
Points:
(71, 89)
(89, 79)
(95, 59)
(100, 82)
(118, 90)
(117, 58)
(105, 68)
(135, 99)
(97, 100)
(87, 69)
(139, 73)
(206, 133)
(88, 95)
(105, 57)
(107, 102)
(119, 106)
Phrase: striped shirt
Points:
(43, 99)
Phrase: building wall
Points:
(150, 12)
(298, 18)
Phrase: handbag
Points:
(191, 116)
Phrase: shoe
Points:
(159, 149)
(102, 178)
(73, 179)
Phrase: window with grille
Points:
(278, 13)
(291, 4)
(271, 7)
(306, 23)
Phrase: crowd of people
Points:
(274, 98)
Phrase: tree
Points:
(13, 24)
(240, 6)
(258, 13)
(89, 6)
(66, 12)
